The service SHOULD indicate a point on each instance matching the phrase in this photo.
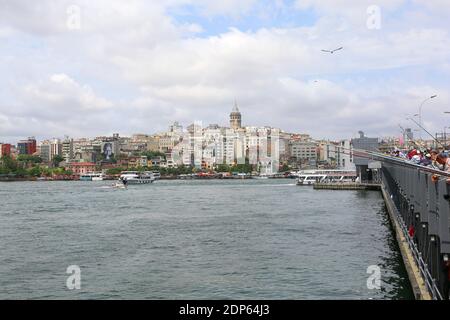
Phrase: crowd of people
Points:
(435, 158)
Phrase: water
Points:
(216, 239)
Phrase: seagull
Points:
(332, 51)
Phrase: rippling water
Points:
(246, 239)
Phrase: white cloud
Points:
(146, 69)
(62, 92)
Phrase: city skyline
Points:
(184, 129)
(95, 69)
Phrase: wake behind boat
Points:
(119, 185)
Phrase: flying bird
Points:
(332, 51)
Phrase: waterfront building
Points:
(344, 155)
(81, 145)
(27, 146)
(303, 150)
(137, 162)
(226, 151)
(5, 149)
(300, 137)
(138, 142)
(167, 142)
(49, 149)
(176, 128)
(212, 137)
(44, 151)
(80, 168)
(157, 162)
(67, 149)
(362, 164)
(108, 146)
(153, 143)
(86, 150)
(284, 139)
(336, 154)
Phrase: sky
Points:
(86, 68)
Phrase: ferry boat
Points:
(156, 175)
(92, 176)
(136, 177)
(310, 177)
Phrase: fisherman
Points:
(426, 161)
(444, 161)
(417, 157)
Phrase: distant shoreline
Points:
(162, 178)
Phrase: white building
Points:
(67, 150)
(50, 149)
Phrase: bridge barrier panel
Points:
(444, 217)
(433, 221)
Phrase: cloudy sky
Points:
(87, 68)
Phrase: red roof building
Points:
(80, 168)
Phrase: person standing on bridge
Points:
(426, 161)
(434, 163)
(443, 160)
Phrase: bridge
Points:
(418, 202)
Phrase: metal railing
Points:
(430, 282)
(421, 196)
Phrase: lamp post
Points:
(445, 134)
(420, 110)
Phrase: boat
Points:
(310, 177)
(136, 177)
(92, 176)
(157, 175)
(261, 176)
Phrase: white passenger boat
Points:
(310, 177)
(92, 176)
(156, 175)
(136, 177)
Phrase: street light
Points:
(420, 110)
(445, 134)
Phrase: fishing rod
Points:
(426, 132)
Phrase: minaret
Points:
(235, 117)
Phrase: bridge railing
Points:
(421, 195)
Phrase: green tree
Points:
(21, 172)
(29, 158)
(223, 168)
(153, 154)
(9, 165)
(114, 171)
(57, 160)
(34, 172)
(46, 172)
